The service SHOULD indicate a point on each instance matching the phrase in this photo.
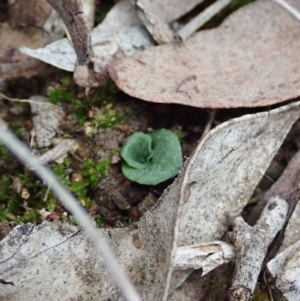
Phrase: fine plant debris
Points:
(149, 150)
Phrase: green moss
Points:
(31, 215)
(73, 221)
(100, 102)
(5, 154)
(100, 221)
(108, 117)
(259, 295)
(51, 204)
(15, 207)
(57, 94)
(93, 171)
(64, 92)
(101, 96)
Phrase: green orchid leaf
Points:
(165, 162)
(137, 151)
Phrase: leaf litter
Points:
(120, 34)
(217, 180)
(198, 207)
(245, 62)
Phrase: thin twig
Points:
(210, 121)
(20, 100)
(47, 193)
(98, 62)
(201, 19)
(252, 244)
(268, 286)
(288, 8)
(21, 152)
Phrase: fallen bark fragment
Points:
(205, 256)
(159, 30)
(287, 188)
(122, 14)
(64, 261)
(61, 149)
(46, 119)
(251, 247)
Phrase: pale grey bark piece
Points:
(211, 287)
(65, 260)
(286, 268)
(252, 245)
(205, 256)
(46, 119)
(61, 149)
(292, 232)
(122, 14)
(159, 30)
(284, 265)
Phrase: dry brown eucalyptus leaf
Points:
(251, 60)
(211, 190)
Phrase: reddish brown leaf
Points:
(251, 60)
